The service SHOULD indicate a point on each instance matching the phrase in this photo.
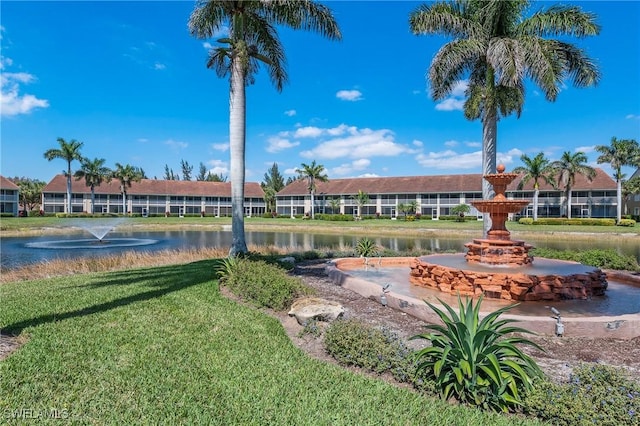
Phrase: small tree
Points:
(361, 199)
(334, 203)
(460, 210)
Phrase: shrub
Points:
(352, 342)
(579, 221)
(627, 222)
(595, 394)
(262, 283)
(599, 258)
(366, 247)
(525, 221)
(473, 361)
(335, 217)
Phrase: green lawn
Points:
(162, 346)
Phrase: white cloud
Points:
(277, 144)
(307, 132)
(290, 113)
(459, 88)
(220, 146)
(143, 140)
(12, 102)
(176, 145)
(450, 104)
(357, 143)
(456, 161)
(451, 143)
(417, 143)
(292, 171)
(368, 175)
(585, 149)
(349, 95)
(632, 117)
(347, 168)
(207, 45)
(159, 66)
(456, 101)
(218, 167)
(473, 144)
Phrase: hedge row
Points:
(565, 221)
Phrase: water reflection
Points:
(14, 251)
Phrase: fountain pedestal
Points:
(498, 248)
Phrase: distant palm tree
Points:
(126, 174)
(252, 40)
(497, 45)
(535, 169)
(620, 153)
(68, 151)
(566, 169)
(334, 203)
(94, 173)
(312, 172)
(361, 199)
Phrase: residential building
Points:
(9, 196)
(436, 195)
(152, 197)
(632, 202)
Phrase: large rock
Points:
(314, 308)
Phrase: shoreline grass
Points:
(161, 345)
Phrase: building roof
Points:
(431, 184)
(156, 187)
(7, 184)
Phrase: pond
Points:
(18, 251)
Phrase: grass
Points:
(160, 345)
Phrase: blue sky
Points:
(128, 80)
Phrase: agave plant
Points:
(366, 247)
(474, 361)
(225, 268)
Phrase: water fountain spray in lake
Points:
(99, 228)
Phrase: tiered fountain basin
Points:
(351, 274)
(547, 279)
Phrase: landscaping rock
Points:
(314, 308)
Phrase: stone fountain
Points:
(501, 268)
(498, 248)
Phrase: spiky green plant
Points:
(366, 247)
(474, 361)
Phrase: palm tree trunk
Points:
(312, 205)
(489, 135)
(237, 123)
(619, 200)
(569, 202)
(536, 193)
(69, 211)
(93, 199)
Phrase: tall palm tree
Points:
(496, 44)
(68, 151)
(94, 173)
(312, 172)
(621, 153)
(126, 174)
(535, 169)
(566, 169)
(252, 39)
